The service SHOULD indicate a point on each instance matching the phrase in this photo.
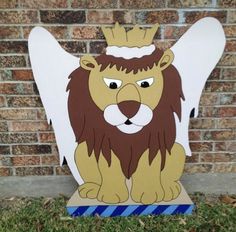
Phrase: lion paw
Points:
(89, 190)
(113, 195)
(147, 196)
(172, 190)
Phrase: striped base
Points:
(127, 210)
(78, 206)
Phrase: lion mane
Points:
(89, 126)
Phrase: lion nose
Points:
(129, 108)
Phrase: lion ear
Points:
(88, 62)
(166, 59)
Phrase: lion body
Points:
(113, 152)
(89, 125)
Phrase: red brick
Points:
(198, 168)
(22, 126)
(231, 146)
(41, 114)
(74, 46)
(192, 159)
(3, 127)
(13, 47)
(161, 17)
(144, 4)
(24, 102)
(228, 99)
(226, 123)
(47, 138)
(12, 61)
(215, 74)
(209, 99)
(22, 75)
(201, 123)
(228, 60)
(217, 157)
(40, 4)
(230, 46)
(18, 17)
(62, 17)
(100, 17)
(174, 32)
(219, 135)
(232, 16)
(194, 135)
(35, 89)
(95, 4)
(230, 30)
(6, 138)
(188, 3)
(220, 146)
(4, 150)
(123, 17)
(5, 171)
(201, 146)
(228, 74)
(34, 171)
(18, 114)
(64, 170)
(16, 88)
(31, 149)
(163, 45)
(208, 111)
(25, 160)
(225, 167)
(97, 47)
(50, 160)
(2, 101)
(207, 157)
(225, 157)
(227, 112)
(59, 32)
(7, 32)
(227, 3)
(193, 16)
(5, 161)
(8, 4)
(86, 32)
(220, 86)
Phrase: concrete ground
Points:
(52, 186)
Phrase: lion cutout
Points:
(122, 113)
(121, 118)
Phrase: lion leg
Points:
(88, 169)
(113, 187)
(146, 181)
(172, 172)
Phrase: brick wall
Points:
(27, 142)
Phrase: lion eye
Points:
(145, 83)
(112, 83)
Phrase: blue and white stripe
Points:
(127, 210)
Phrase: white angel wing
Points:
(196, 54)
(51, 67)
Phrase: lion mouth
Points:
(129, 129)
(115, 117)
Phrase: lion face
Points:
(126, 99)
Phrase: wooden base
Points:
(78, 206)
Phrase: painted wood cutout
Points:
(121, 118)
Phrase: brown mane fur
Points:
(89, 125)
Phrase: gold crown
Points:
(136, 37)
